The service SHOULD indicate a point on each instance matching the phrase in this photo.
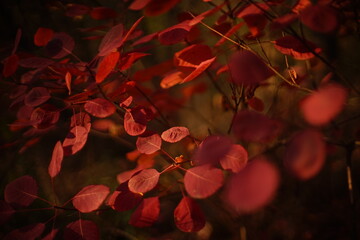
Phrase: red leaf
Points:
(100, 107)
(68, 81)
(56, 160)
(147, 213)
(6, 211)
(289, 45)
(253, 9)
(10, 65)
(112, 40)
(61, 45)
(256, 104)
(203, 181)
(149, 143)
(256, 127)
(157, 7)
(36, 96)
(322, 106)
(175, 134)
(175, 34)
(198, 70)
(29, 232)
(212, 149)
(21, 192)
(129, 59)
(305, 154)
(188, 216)
(135, 122)
(81, 229)
(253, 187)
(75, 140)
(144, 181)
(90, 198)
(106, 65)
(35, 62)
(43, 36)
(123, 199)
(74, 10)
(100, 13)
(138, 4)
(44, 116)
(301, 5)
(235, 160)
(80, 119)
(171, 79)
(256, 24)
(247, 68)
(320, 18)
(192, 56)
(229, 33)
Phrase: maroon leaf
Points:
(255, 127)
(123, 199)
(75, 140)
(253, 187)
(10, 65)
(175, 134)
(74, 10)
(112, 40)
(290, 45)
(198, 70)
(305, 154)
(256, 104)
(43, 36)
(135, 122)
(17, 41)
(322, 106)
(44, 116)
(247, 68)
(203, 181)
(106, 65)
(100, 13)
(51, 235)
(146, 213)
(320, 18)
(188, 216)
(148, 143)
(129, 59)
(21, 192)
(36, 96)
(235, 160)
(192, 56)
(212, 149)
(61, 45)
(175, 34)
(6, 211)
(144, 181)
(138, 4)
(157, 7)
(30, 232)
(81, 229)
(56, 160)
(35, 62)
(90, 198)
(100, 107)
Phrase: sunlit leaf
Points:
(175, 134)
(90, 198)
(147, 213)
(188, 216)
(56, 160)
(144, 181)
(75, 140)
(148, 143)
(236, 159)
(106, 65)
(100, 107)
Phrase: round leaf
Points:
(188, 216)
(90, 198)
(21, 192)
(145, 181)
(149, 143)
(235, 159)
(175, 134)
(146, 213)
(36, 96)
(100, 107)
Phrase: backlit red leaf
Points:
(256, 104)
(247, 68)
(43, 36)
(322, 106)
(21, 192)
(172, 79)
(56, 160)
(199, 70)
(290, 45)
(112, 40)
(138, 4)
(90, 198)
(100, 13)
(106, 65)
(146, 213)
(61, 45)
(100, 107)
(192, 56)
(36, 96)
(10, 65)
(75, 140)
(253, 187)
(148, 143)
(256, 127)
(212, 149)
(203, 181)
(305, 154)
(320, 18)
(144, 181)
(44, 116)
(175, 134)
(129, 59)
(123, 199)
(188, 216)
(68, 81)
(134, 124)
(81, 229)
(174, 34)
(236, 159)
(80, 119)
